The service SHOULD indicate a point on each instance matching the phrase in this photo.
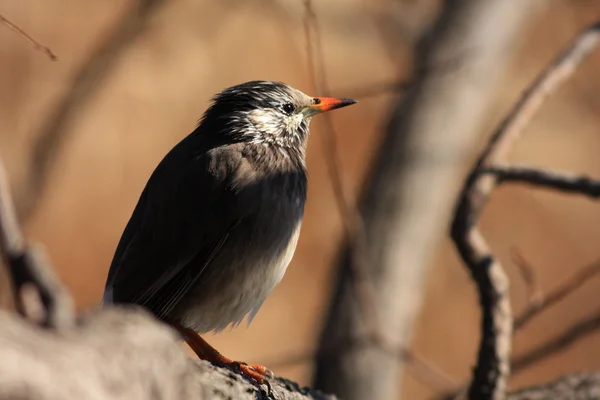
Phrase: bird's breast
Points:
(255, 255)
(272, 225)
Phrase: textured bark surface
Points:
(116, 354)
(583, 386)
(410, 193)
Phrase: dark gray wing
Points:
(183, 217)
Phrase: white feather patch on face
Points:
(267, 121)
(275, 127)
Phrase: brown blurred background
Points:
(191, 49)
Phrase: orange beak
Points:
(322, 104)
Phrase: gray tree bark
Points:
(117, 354)
(409, 196)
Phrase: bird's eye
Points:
(289, 108)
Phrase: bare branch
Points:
(351, 219)
(36, 45)
(493, 365)
(559, 293)
(400, 205)
(584, 386)
(88, 80)
(12, 243)
(28, 267)
(565, 182)
(534, 291)
(576, 332)
(377, 89)
(540, 303)
(581, 386)
(421, 368)
(118, 353)
(403, 85)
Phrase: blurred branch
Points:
(400, 86)
(541, 302)
(351, 219)
(36, 45)
(27, 267)
(421, 368)
(377, 89)
(493, 364)
(448, 64)
(88, 80)
(583, 386)
(574, 333)
(569, 183)
(533, 289)
(401, 208)
(118, 354)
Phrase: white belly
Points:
(242, 294)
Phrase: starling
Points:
(218, 221)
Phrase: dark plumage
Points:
(218, 220)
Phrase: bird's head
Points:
(267, 113)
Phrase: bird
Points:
(218, 221)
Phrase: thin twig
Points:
(351, 220)
(559, 293)
(493, 364)
(534, 291)
(378, 89)
(320, 82)
(36, 45)
(401, 86)
(565, 182)
(87, 81)
(576, 332)
(422, 369)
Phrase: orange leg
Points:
(205, 351)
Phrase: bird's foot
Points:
(205, 351)
(256, 372)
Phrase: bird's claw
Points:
(257, 372)
(264, 371)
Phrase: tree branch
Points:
(543, 302)
(21, 32)
(574, 333)
(352, 220)
(582, 386)
(88, 80)
(28, 267)
(400, 205)
(565, 182)
(493, 366)
(118, 354)
(352, 223)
